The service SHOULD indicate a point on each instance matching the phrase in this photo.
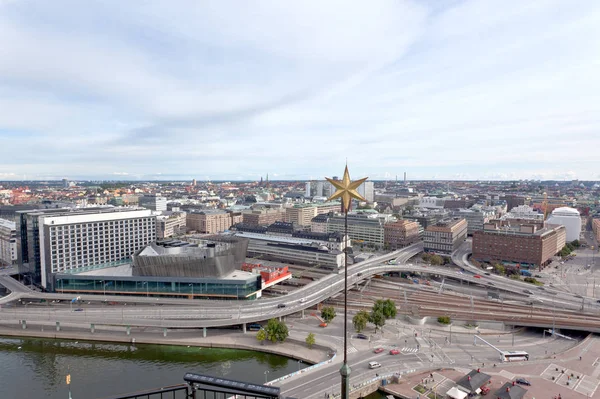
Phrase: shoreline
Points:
(292, 348)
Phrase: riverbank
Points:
(293, 347)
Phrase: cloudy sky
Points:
(482, 89)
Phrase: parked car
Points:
(378, 350)
(522, 381)
(394, 352)
(361, 336)
(374, 365)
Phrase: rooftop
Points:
(473, 380)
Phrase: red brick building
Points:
(528, 244)
(400, 234)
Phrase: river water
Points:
(36, 368)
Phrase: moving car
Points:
(394, 352)
(477, 276)
(281, 305)
(361, 336)
(374, 365)
(254, 327)
(528, 292)
(378, 350)
(522, 381)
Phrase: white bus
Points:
(514, 356)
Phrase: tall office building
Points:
(60, 240)
(367, 190)
(445, 236)
(153, 202)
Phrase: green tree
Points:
(444, 319)
(575, 244)
(360, 320)
(277, 331)
(377, 318)
(261, 335)
(328, 314)
(310, 340)
(500, 269)
(387, 307)
(437, 260)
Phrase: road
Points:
(415, 353)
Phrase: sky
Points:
(236, 90)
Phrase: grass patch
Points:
(420, 388)
(432, 395)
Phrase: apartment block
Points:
(401, 233)
(529, 245)
(300, 214)
(263, 217)
(209, 221)
(8, 243)
(475, 217)
(363, 228)
(170, 223)
(445, 236)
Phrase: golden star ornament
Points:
(346, 190)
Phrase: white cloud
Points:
(465, 88)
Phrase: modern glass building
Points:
(239, 285)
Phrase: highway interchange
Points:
(211, 313)
(550, 306)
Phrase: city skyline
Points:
(463, 90)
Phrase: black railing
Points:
(181, 391)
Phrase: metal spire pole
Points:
(345, 370)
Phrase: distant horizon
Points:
(289, 180)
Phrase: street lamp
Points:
(192, 285)
(104, 287)
(299, 361)
(145, 283)
(266, 372)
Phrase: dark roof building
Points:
(510, 391)
(473, 381)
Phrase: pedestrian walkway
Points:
(409, 350)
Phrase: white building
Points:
(367, 190)
(432, 202)
(79, 240)
(524, 212)
(568, 217)
(476, 217)
(294, 250)
(8, 242)
(170, 223)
